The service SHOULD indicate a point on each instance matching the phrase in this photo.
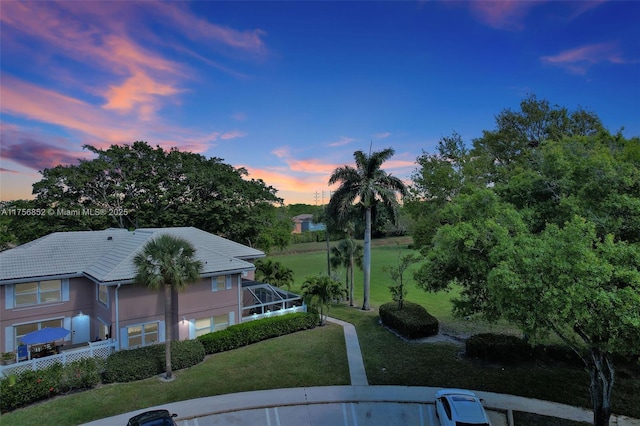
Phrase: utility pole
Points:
(315, 196)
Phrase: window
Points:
(221, 282)
(21, 330)
(142, 335)
(220, 322)
(208, 325)
(103, 294)
(36, 293)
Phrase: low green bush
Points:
(80, 374)
(31, 386)
(500, 348)
(148, 361)
(250, 332)
(412, 321)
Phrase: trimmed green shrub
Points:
(500, 348)
(250, 332)
(412, 321)
(185, 354)
(148, 361)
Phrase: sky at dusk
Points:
(289, 90)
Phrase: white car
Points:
(457, 407)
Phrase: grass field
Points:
(310, 259)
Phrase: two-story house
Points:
(83, 281)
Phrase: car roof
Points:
(149, 416)
(443, 392)
(465, 405)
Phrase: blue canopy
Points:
(45, 335)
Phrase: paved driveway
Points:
(334, 414)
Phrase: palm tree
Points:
(274, 273)
(167, 263)
(320, 291)
(368, 184)
(348, 253)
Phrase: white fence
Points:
(268, 314)
(95, 350)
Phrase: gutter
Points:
(117, 318)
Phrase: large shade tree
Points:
(167, 263)
(137, 185)
(553, 243)
(368, 185)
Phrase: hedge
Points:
(148, 361)
(500, 348)
(250, 332)
(412, 321)
(31, 386)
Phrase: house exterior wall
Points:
(78, 296)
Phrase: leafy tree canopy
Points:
(543, 229)
(141, 186)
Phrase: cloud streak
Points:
(579, 59)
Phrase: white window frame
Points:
(144, 341)
(213, 326)
(38, 293)
(217, 281)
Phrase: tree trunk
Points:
(168, 330)
(326, 232)
(351, 273)
(367, 260)
(602, 376)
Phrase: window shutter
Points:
(192, 330)
(232, 318)
(228, 282)
(65, 290)
(124, 338)
(8, 296)
(8, 339)
(67, 324)
(160, 331)
(214, 283)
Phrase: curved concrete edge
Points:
(201, 407)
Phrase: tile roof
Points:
(107, 256)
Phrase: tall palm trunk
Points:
(351, 272)
(168, 330)
(367, 260)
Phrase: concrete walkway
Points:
(358, 404)
(354, 355)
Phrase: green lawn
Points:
(305, 262)
(315, 357)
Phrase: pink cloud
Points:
(383, 135)
(199, 29)
(343, 141)
(502, 15)
(579, 59)
(282, 152)
(233, 134)
(138, 92)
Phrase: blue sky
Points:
(289, 90)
